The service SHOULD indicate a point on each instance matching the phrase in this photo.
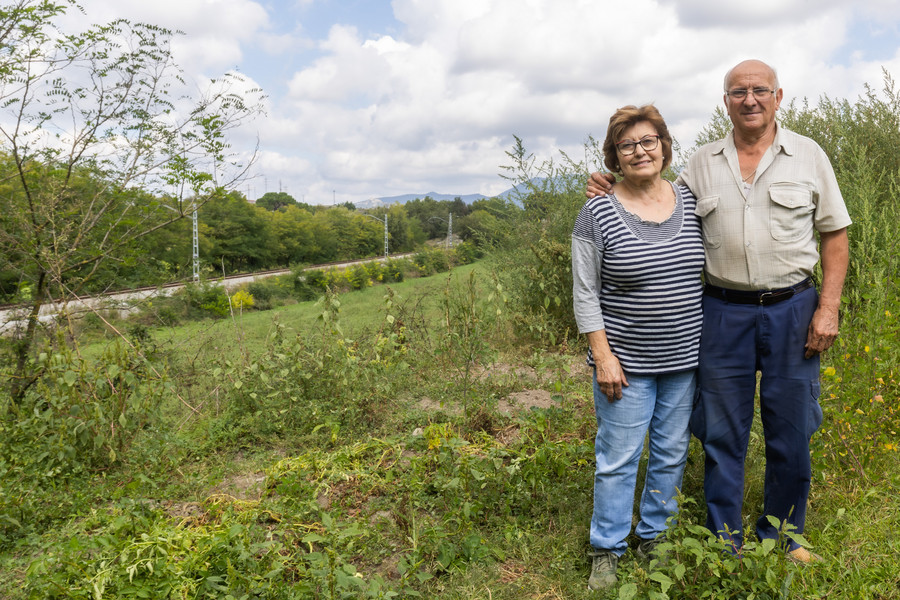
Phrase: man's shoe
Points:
(603, 570)
(649, 549)
(803, 556)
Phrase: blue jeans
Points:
(737, 341)
(662, 405)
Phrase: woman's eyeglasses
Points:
(648, 143)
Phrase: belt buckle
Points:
(764, 296)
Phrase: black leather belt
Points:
(761, 297)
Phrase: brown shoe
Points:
(803, 556)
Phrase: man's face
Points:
(754, 113)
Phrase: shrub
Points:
(358, 277)
(394, 270)
(309, 284)
(262, 294)
(310, 381)
(431, 260)
(271, 291)
(79, 416)
(535, 266)
(466, 253)
(242, 300)
(208, 298)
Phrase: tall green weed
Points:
(535, 265)
(79, 417)
(302, 383)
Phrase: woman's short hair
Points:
(626, 117)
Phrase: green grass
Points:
(371, 478)
(247, 332)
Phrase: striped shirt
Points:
(640, 282)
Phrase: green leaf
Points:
(663, 580)
(628, 591)
(311, 538)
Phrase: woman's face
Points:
(642, 164)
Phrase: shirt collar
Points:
(782, 142)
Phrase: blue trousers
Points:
(660, 404)
(738, 341)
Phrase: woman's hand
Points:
(610, 377)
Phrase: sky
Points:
(375, 98)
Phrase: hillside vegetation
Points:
(430, 436)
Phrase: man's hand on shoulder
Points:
(599, 184)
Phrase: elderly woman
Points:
(636, 262)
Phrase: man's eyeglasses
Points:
(760, 93)
(648, 143)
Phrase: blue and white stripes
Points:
(641, 283)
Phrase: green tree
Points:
(480, 226)
(275, 200)
(432, 215)
(294, 236)
(403, 235)
(89, 119)
(238, 234)
(422, 210)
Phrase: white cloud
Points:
(746, 15)
(434, 101)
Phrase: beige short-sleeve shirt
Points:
(762, 236)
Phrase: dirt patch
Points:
(431, 405)
(183, 510)
(248, 486)
(579, 366)
(508, 435)
(525, 400)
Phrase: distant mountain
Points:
(403, 199)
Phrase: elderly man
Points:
(763, 192)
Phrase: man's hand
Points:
(600, 184)
(823, 330)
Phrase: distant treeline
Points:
(279, 232)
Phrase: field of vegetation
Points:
(421, 428)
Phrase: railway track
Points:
(14, 316)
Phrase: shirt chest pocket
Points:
(790, 211)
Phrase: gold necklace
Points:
(748, 177)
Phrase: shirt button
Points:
(748, 244)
